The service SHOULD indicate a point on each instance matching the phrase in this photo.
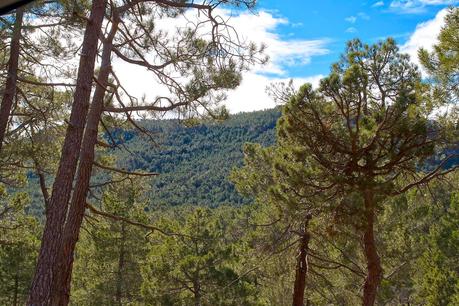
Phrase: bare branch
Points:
(433, 174)
(135, 223)
(124, 171)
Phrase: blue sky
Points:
(304, 37)
(338, 21)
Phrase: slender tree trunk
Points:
(121, 263)
(12, 76)
(301, 267)
(197, 292)
(41, 289)
(63, 273)
(374, 269)
(42, 181)
(16, 289)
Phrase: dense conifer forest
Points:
(195, 162)
(345, 193)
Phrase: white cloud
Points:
(438, 2)
(351, 30)
(425, 36)
(251, 94)
(416, 6)
(297, 25)
(363, 16)
(260, 28)
(351, 19)
(378, 4)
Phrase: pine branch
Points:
(124, 171)
(131, 222)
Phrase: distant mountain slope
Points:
(194, 162)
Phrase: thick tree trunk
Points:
(301, 267)
(374, 269)
(12, 76)
(63, 273)
(41, 289)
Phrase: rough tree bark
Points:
(302, 266)
(16, 289)
(374, 269)
(197, 292)
(121, 264)
(12, 75)
(41, 288)
(71, 230)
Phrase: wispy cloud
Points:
(416, 6)
(297, 24)
(351, 30)
(378, 4)
(363, 16)
(360, 15)
(263, 27)
(283, 52)
(351, 19)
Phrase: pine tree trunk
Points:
(12, 76)
(301, 269)
(63, 274)
(121, 263)
(41, 289)
(374, 269)
(16, 289)
(197, 292)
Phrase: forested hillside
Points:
(194, 162)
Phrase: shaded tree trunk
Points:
(197, 292)
(374, 269)
(121, 263)
(301, 267)
(63, 273)
(16, 289)
(41, 289)
(12, 75)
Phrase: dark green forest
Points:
(346, 193)
(195, 162)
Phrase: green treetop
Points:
(443, 62)
(201, 265)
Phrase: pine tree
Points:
(362, 137)
(18, 247)
(111, 252)
(199, 264)
(437, 278)
(200, 62)
(443, 62)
